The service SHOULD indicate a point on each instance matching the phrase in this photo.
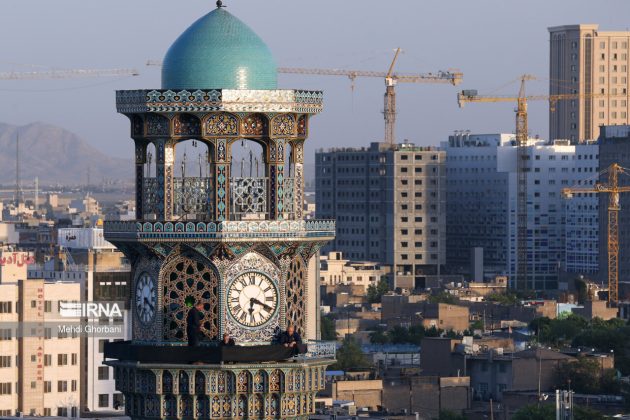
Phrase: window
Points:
(47, 412)
(62, 359)
(403, 169)
(6, 307)
(418, 170)
(5, 388)
(5, 361)
(33, 358)
(74, 359)
(33, 384)
(47, 306)
(62, 386)
(74, 385)
(103, 400)
(103, 373)
(33, 304)
(47, 387)
(117, 400)
(47, 359)
(5, 334)
(101, 345)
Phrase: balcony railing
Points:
(192, 198)
(232, 230)
(318, 349)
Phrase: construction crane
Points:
(613, 190)
(521, 167)
(67, 74)
(521, 170)
(391, 79)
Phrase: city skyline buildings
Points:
(418, 103)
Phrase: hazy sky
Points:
(490, 41)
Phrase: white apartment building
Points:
(334, 270)
(481, 206)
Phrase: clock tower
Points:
(238, 243)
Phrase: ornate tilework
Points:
(157, 125)
(183, 382)
(302, 126)
(186, 125)
(137, 126)
(222, 124)
(167, 382)
(276, 380)
(186, 277)
(283, 125)
(254, 125)
(140, 101)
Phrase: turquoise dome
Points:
(219, 51)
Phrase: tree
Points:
(350, 355)
(449, 415)
(375, 292)
(586, 413)
(535, 412)
(443, 297)
(379, 336)
(584, 376)
(327, 328)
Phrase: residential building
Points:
(614, 147)
(334, 270)
(103, 275)
(39, 364)
(594, 64)
(389, 206)
(415, 310)
(481, 207)
(492, 370)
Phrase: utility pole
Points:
(18, 187)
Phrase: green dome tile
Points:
(219, 51)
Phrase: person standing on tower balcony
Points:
(193, 324)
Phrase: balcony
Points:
(282, 230)
(210, 353)
(193, 198)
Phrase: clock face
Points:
(252, 299)
(145, 298)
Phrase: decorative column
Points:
(274, 163)
(297, 161)
(165, 159)
(220, 174)
(141, 159)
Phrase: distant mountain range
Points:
(56, 155)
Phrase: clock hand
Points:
(256, 301)
(148, 303)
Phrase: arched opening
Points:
(200, 382)
(187, 279)
(150, 195)
(295, 296)
(167, 382)
(191, 181)
(183, 383)
(248, 184)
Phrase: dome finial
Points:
(220, 4)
